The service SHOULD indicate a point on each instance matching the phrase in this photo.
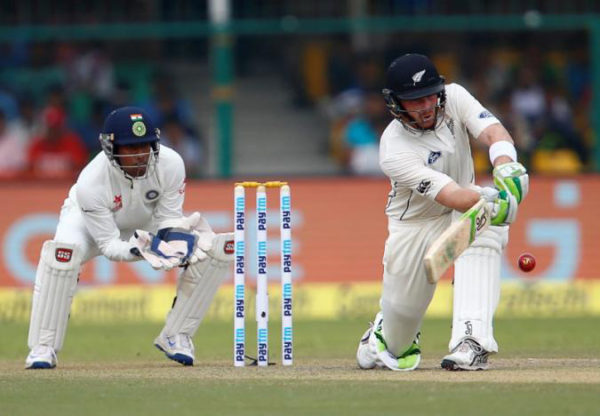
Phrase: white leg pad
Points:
(477, 289)
(197, 287)
(55, 284)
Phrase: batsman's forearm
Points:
(456, 197)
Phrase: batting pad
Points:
(55, 283)
(477, 289)
(197, 287)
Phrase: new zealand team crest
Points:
(433, 156)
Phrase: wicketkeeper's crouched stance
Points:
(127, 205)
(425, 151)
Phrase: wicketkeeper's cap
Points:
(130, 125)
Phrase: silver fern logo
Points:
(417, 76)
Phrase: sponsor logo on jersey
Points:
(450, 124)
(117, 203)
(228, 248)
(152, 194)
(424, 186)
(433, 156)
(485, 114)
(63, 255)
(418, 76)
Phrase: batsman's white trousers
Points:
(406, 293)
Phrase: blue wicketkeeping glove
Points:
(157, 252)
(193, 236)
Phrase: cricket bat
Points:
(456, 239)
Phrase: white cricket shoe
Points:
(41, 356)
(372, 350)
(178, 347)
(468, 355)
(366, 355)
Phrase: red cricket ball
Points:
(526, 262)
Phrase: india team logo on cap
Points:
(139, 128)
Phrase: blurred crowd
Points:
(53, 102)
(542, 95)
(54, 96)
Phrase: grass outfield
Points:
(549, 367)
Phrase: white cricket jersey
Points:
(420, 164)
(111, 204)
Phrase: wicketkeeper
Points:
(425, 151)
(127, 206)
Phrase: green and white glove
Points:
(512, 178)
(503, 205)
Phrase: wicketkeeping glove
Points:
(158, 253)
(512, 177)
(193, 236)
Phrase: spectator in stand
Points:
(29, 118)
(165, 102)
(181, 139)
(361, 136)
(528, 98)
(58, 152)
(13, 148)
(56, 96)
(516, 124)
(90, 129)
(122, 96)
(8, 105)
(559, 120)
(92, 71)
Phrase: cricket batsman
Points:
(425, 152)
(127, 206)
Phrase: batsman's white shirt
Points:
(419, 165)
(104, 207)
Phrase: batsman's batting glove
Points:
(155, 251)
(503, 205)
(512, 177)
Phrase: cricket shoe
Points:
(366, 354)
(177, 347)
(41, 356)
(468, 355)
(407, 361)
